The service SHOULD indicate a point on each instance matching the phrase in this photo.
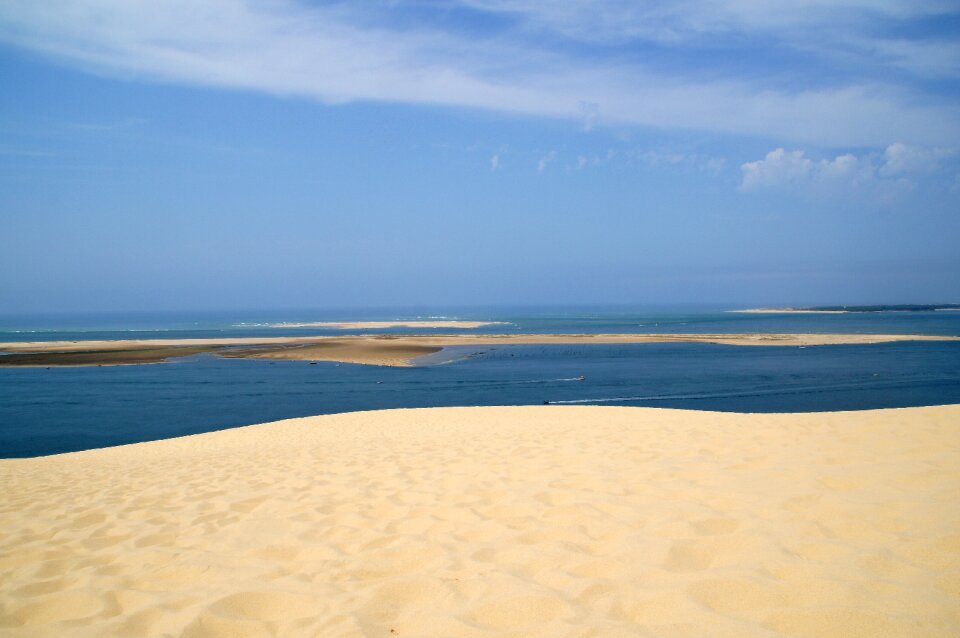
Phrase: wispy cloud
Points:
(657, 159)
(590, 111)
(900, 158)
(344, 52)
(495, 162)
(683, 19)
(546, 159)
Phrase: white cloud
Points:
(897, 165)
(900, 158)
(343, 52)
(778, 168)
(546, 159)
(495, 162)
(846, 169)
(781, 168)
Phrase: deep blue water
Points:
(46, 411)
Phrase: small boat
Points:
(582, 377)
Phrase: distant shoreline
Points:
(778, 311)
(832, 310)
(374, 325)
(379, 349)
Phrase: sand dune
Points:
(528, 521)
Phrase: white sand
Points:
(530, 521)
(368, 325)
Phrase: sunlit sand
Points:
(520, 521)
(382, 349)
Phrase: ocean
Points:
(48, 411)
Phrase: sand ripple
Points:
(533, 521)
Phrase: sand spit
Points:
(373, 325)
(472, 522)
(399, 350)
(400, 353)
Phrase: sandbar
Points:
(371, 325)
(118, 356)
(537, 521)
(399, 353)
(401, 350)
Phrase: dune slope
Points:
(521, 521)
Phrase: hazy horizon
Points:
(474, 311)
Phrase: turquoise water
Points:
(45, 411)
(694, 319)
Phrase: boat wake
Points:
(761, 392)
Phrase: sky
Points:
(219, 154)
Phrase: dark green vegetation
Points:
(102, 357)
(887, 308)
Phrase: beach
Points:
(502, 521)
(382, 349)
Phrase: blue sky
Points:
(215, 154)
